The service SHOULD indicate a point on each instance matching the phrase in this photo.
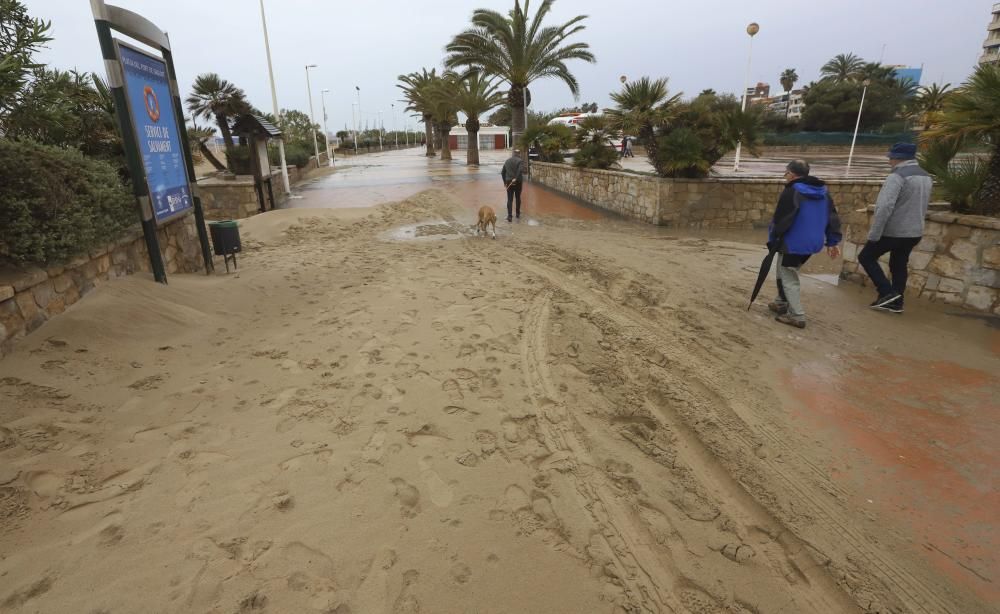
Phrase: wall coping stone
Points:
(757, 179)
(962, 219)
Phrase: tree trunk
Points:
(445, 130)
(515, 99)
(429, 136)
(648, 136)
(205, 151)
(987, 199)
(472, 155)
(227, 137)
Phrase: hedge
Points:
(55, 203)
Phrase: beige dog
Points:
(487, 217)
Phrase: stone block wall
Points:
(30, 296)
(627, 194)
(718, 202)
(236, 198)
(957, 262)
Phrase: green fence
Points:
(836, 138)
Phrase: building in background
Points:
(991, 46)
(490, 137)
(757, 93)
(908, 72)
(787, 104)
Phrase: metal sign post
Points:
(161, 184)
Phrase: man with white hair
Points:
(513, 176)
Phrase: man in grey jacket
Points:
(897, 227)
(512, 174)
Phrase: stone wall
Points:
(957, 262)
(718, 202)
(235, 198)
(30, 296)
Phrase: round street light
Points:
(623, 78)
(753, 28)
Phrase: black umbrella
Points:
(765, 267)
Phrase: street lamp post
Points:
(354, 127)
(752, 30)
(381, 129)
(326, 132)
(359, 115)
(274, 102)
(395, 135)
(857, 126)
(312, 116)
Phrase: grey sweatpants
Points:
(790, 287)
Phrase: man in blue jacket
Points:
(804, 221)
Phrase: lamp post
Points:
(274, 102)
(312, 116)
(381, 129)
(395, 135)
(857, 125)
(326, 133)
(359, 114)
(354, 126)
(752, 30)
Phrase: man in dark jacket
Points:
(804, 221)
(513, 176)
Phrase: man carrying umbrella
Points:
(804, 221)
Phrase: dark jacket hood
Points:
(809, 187)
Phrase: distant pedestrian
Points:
(628, 148)
(804, 221)
(621, 153)
(897, 227)
(513, 177)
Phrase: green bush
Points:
(550, 141)
(298, 154)
(55, 203)
(595, 155)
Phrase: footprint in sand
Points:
(408, 496)
(440, 492)
(374, 449)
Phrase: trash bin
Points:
(226, 240)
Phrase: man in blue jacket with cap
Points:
(804, 221)
(897, 227)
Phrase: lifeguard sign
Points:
(147, 106)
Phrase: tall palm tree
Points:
(972, 113)
(442, 94)
(212, 97)
(643, 106)
(843, 67)
(930, 101)
(518, 49)
(788, 79)
(477, 95)
(416, 92)
(197, 137)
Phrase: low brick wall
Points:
(235, 198)
(717, 202)
(30, 296)
(957, 262)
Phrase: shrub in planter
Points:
(596, 141)
(297, 154)
(548, 141)
(55, 203)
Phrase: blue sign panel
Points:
(152, 111)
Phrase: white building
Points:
(991, 46)
(490, 137)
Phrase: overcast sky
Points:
(698, 44)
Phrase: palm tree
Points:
(518, 49)
(212, 97)
(930, 101)
(788, 79)
(972, 113)
(416, 92)
(477, 95)
(442, 95)
(843, 67)
(643, 105)
(197, 136)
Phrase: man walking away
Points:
(628, 147)
(513, 176)
(897, 227)
(804, 221)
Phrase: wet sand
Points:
(580, 416)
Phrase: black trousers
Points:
(899, 249)
(512, 192)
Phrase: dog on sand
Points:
(487, 218)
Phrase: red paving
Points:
(917, 441)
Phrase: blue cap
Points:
(903, 151)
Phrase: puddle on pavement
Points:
(431, 230)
